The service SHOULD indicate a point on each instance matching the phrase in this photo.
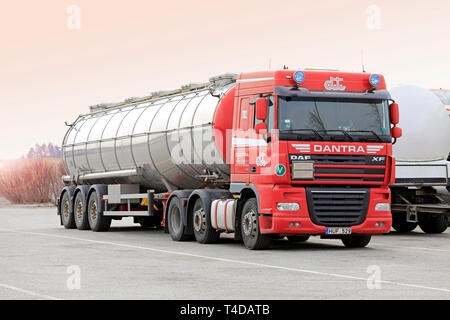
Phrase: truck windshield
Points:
(333, 119)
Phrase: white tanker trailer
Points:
(422, 160)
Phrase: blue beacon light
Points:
(299, 77)
(374, 80)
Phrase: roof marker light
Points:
(374, 80)
(299, 77)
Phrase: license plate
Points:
(338, 231)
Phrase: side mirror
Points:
(394, 113)
(261, 128)
(261, 109)
(396, 132)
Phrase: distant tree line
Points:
(44, 151)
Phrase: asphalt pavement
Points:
(39, 259)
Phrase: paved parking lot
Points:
(41, 260)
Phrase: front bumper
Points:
(285, 222)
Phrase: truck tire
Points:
(97, 221)
(356, 241)
(400, 224)
(79, 212)
(203, 231)
(430, 223)
(251, 234)
(177, 230)
(67, 217)
(297, 239)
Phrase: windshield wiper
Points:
(341, 131)
(316, 133)
(370, 131)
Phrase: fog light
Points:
(297, 224)
(383, 207)
(288, 206)
(291, 224)
(377, 224)
(382, 224)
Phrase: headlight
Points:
(383, 207)
(288, 206)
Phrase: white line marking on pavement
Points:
(254, 264)
(31, 293)
(406, 247)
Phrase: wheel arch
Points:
(207, 196)
(182, 195)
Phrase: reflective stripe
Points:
(255, 79)
(246, 142)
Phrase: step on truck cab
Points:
(262, 155)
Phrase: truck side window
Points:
(270, 115)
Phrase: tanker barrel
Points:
(160, 142)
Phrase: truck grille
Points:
(345, 167)
(337, 207)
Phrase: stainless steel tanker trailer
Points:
(419, 195)
(125, 153)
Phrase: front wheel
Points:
(356, 241)
(250, 230)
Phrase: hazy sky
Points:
(51, 73)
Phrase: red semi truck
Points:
(261, 155)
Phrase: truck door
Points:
(241, 140)
(260, 156)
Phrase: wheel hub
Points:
(66, 209)
(79, 210)
(199, 220)
(249, 223)
(94, 211)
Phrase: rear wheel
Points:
(297, 239)
(80, 214)
(203, 231)
(177, 230)
(67, 217)
(356, 241)
(251, 234)
(400, 224)
(430, 223)
(97, 221)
